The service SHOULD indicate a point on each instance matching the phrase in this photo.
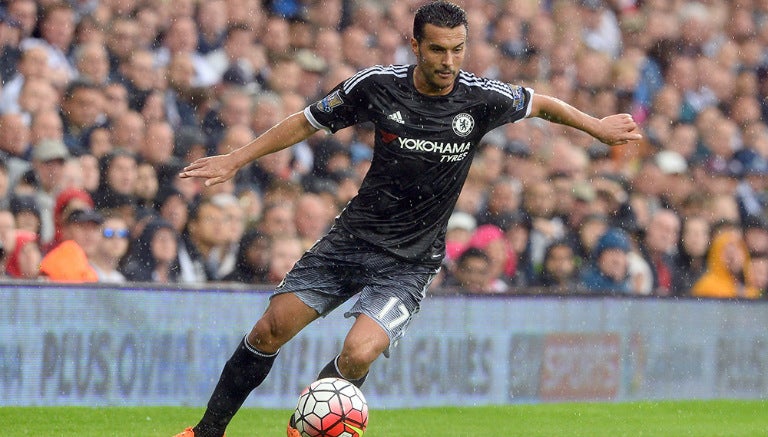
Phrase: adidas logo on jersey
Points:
(396, 117)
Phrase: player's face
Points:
(439, 56)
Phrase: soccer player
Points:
(388, 243)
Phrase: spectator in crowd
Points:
(14, 145)
(153, 256)
(690, 259)
(278, 219)
(33, 64)
(19, 254)
(313, 218)
(658, 248)
(504, 198)
(7, 233)
(201, 236)
(57, 31)
(46, 124)
(470, 273)
(68, 200)
(539, 203)
(608, 270)
(70, 260)
(559, 271)
(82, 110)
(459, 231)
(48, 158)
(92, 63)
(252, 259)
(127, 132)
(283, 252)
(146, 187)
(727, 274)
(111, 248)
(25, 13)
(26, 214)
(503, 260)
(118, 177)
(224, 255)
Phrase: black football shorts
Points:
(340, 265)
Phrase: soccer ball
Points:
(331, 407)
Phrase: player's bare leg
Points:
(285, 316)
(364, 343)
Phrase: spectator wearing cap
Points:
(68, 200)
(727, 271)
(608, 269)
(48, 158)
(461, 226)
(70, 260)
(676, 183)
(26, 213)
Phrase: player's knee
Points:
(266, 336)
(360, 356)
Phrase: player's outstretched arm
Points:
(612, 130)
(219, 168)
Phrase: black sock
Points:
(332, 371)
(244, 371)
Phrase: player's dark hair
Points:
(439, 13)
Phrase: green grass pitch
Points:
(632, 419)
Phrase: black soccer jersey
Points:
(424, 148)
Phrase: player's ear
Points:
(415, 46)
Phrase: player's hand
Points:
(618, 129)
(215, 169)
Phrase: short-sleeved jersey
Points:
(423, 149)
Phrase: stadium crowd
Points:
(104, 102)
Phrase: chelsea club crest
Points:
(463, 124)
